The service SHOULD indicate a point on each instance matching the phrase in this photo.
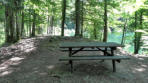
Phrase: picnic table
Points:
(107, 48)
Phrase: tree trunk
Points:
(9, 14)
(7, 28)
(28, 28)
(51, 25)
(105, 22)
(135, 40)
(63, 16)
(124, 31)
(48, 24)
(95, 32)
(77, 29)
(82, 18)
(4, 25)
(22, 25)
(140, 33)
(17, 26)
(30, 23)
(101, 36)
(33, 24)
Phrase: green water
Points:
(129, 45)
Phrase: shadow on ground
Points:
(35, 60)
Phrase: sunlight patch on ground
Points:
(43, 73)
(23, 46)
(16, 59)
(144, 65)
(121, 50)
(140, 69)
(28, 48)
(28, 45)
(50, 67)
(141, 58)
(5, 73)
(20, 48)
(5, 68)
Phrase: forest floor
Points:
(35, 60)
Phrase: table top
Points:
(89, 44)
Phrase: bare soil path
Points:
(35, 60)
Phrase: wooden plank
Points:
(85, 49)
(77, 51)
(94, 58)
(89, 44)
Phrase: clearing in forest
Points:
(35, 60)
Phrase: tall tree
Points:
(137, 41)
(77, 29)
(48, 24)
(105, 22)
(51, 24)
(18, 8)
(124, 31)
(22, 25)
(30, 21)
(12, 15)
(95, 31)
(9, 14)
(34, 23)
(82, 17)
(17, 22)
(63, 16)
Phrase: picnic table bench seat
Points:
(101, 57)
(95, 57)
(85, 49)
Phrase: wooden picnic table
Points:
(107, 48)
(90, 44)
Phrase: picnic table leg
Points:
(70, 61)
(105, 50)
(113, 61)
(114, 65)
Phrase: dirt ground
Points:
(35, 60)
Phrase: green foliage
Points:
(2, 34)
(118, 12)
(2, 14)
